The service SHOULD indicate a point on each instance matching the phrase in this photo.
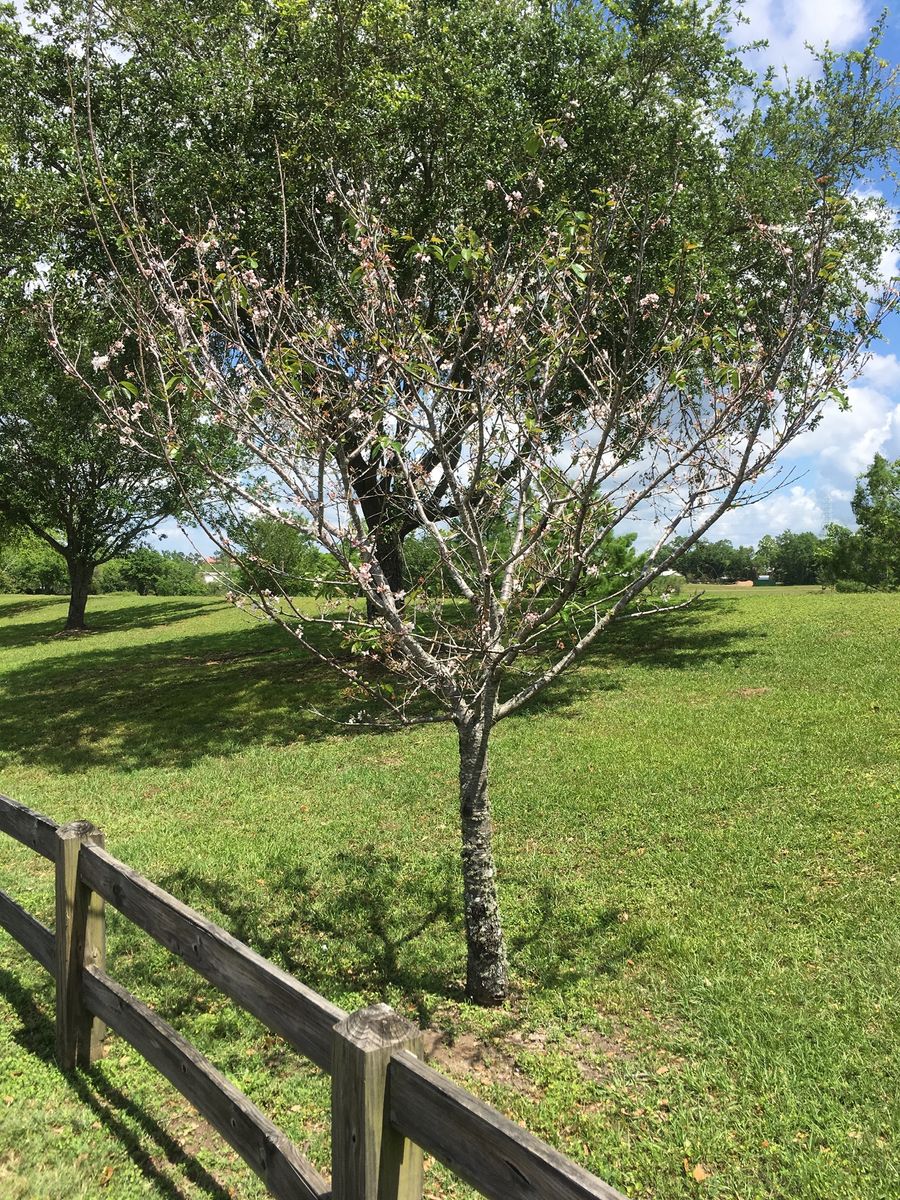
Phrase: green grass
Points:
(698, 862)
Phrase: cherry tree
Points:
(588, 368)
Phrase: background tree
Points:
(432, 104)
(876, 506)
(870, 555)
(274, 557)
(64, 473)
(152, 572)
(840, 555)
(709, 562)
(31, 566)
(765, 555)
(797, 558)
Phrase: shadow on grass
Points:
(108, 1103)
(147, 615)
(682, 641)
(171, 703)
(362, 923)
(562, 944)
(365, 924)
(679, 640)
(12, 607)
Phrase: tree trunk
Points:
(389, 553)
(80, 575)
(486, 970)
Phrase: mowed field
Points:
(699, 863)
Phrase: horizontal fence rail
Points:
(281, 1002)
(499, 1158)
(34, 937)
(387, 1105)
(260, 1143)
(28, 827)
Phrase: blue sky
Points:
(824, 464)
(828, 459)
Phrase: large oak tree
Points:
(198, 110)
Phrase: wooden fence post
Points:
(370, 1159)
(80, 942)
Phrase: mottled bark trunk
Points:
(486, 971)
(80, 575)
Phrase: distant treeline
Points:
(788, 558)
(864, 559)
(29, 565)
(269, 555)
(840, 558)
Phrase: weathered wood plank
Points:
(29, 827)
(36, 938)
(298, 1014)
(494, 1155)
(261, 1144)
(370, 1159)
(80, 942)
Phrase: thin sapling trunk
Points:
(487, 979)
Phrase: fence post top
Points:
(375, 1026)
(80, 830)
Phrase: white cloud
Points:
(169, 535)
(844, 443)
(882, 371)
(797, 508)
(789, 27)
(829, 458)
(822, 464)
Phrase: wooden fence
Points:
(387, 1105)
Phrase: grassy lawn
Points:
(699, 864)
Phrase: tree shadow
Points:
(35, 1036)
(676, 640)
(363, 923)
(18, 606)
(680, 641)
(169, 703)
(173, 702)
(562, 944)
(149, 614)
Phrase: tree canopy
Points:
(65, 473)
(508, 277)
(876, 506)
